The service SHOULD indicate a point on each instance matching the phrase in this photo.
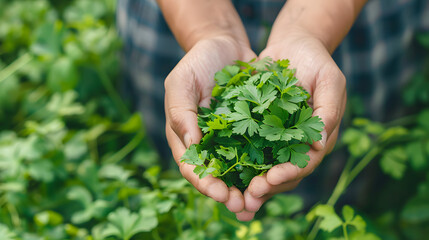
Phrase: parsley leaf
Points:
(311, 126)
(295, 154)
(244, 121)
(273, 130)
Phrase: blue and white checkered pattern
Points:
(378, 56)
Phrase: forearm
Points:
(327, 20)
(194, 20)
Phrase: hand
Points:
(321, 77)
(188, 85)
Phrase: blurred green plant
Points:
(75, 163)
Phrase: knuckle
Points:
(175, 118)
(333, 115)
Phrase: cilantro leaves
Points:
(258, 118)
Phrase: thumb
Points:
(181, 105)
(329, 99)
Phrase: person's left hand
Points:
(321, 77)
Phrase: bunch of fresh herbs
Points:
(258, 118)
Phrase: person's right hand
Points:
(188, 85)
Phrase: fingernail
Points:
(323, 141)
(187, 139)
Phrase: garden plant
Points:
(75, 162)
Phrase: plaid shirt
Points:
(378, 56)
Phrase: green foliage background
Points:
(75, 163)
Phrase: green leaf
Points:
(393, 162)
(358, 223)
(6, 233)
(330, 220)
(264, 78)
(76, 147)
(284, 205)
(416, 153)
(223, 77)
(416, 210)
(133, 124)
(125, 224)
(90, 209)
(311, 126)
(63, 75)
(256, 155)
(273, 130)
(247, 175)
(358, 235)
(218, 123)
(191, 156)
(47, 40)
(284, 63)
(358, 142)
(48, 218)
(285, 104)
(65, 104)
(244, 121)
(295, 154)
(262, 98)
(261, 64)
(348, 213)
(229, 152)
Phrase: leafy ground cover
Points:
(75, 163)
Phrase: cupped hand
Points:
(190, 85)
(321, 77)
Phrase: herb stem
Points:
(247, 139)
(117, 100)
(347, 176)
(407, 120)
(121, 154)
(15, 66)
(229, 169)
(346, 235)
(363, 163)
(155, 234)
(14, 215)
(231, 221)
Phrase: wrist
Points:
(215, 33)
(328, 21)
(295, 34)
(194, 20)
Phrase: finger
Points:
(329, 99)
(259, 187)
(210, 186)
(253, 204)
(287, 172)
(333, 139)
(235, 202)
(181, 104)
(245, 216)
